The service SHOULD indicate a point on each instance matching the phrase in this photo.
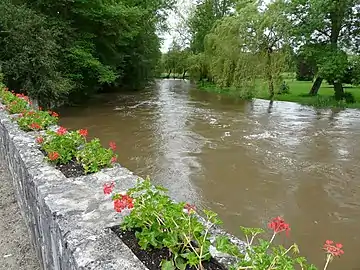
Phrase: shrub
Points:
(284, 88)
(94, 157)
(61, 145)
(349, 97)
(36, 120)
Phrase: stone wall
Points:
(69, 218)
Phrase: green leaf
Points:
(180, 263)
(167, 265)
(251, 231)
(223, 244)
(191, 257)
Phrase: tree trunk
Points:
(339, 90)
(168, 76)
(271, 87)
(316, 86)
(184, 74)
(270, 106)
(269, 75)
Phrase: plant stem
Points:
(328, 259)
(272, 238)
(187, 239)
(252, 239)
(288, 250)
(247, 240)
(274, 260)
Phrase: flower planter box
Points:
(70, 170)
(152, 259)
(69, 219)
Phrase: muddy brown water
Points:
(247, 161)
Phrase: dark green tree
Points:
(29, 53)
(88, 45)
(203, 18)
(331, 27)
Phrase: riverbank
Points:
(298, 92)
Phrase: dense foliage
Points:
(53, 49)
(330, 30)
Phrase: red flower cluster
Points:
(54, 114)
(25, 113)
(39, 140)
(112, 146)
(35, 126)
(113, 159)
(108, 188)
(335, 249)
(83, 132)
(124, 202)
(61, 131)
(22, 96)
(53, 156)
(278, 225)
(190, 208)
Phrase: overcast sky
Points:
(184, 6)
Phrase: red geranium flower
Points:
(83, 132)
(53, 156)
(124, 202)
(112, 146)
(108, 188)
(54, 114)
(278, 225)
(113, 159)
(335, 249)
(35, 126)
(40, 140)
(61, 131)
(190, 208)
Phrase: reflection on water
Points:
(248, 161)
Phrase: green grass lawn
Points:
(298, 93)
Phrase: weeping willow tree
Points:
(248, 49)
(198, 66)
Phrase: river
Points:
(247, 161)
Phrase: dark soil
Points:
(152, 259)
(71, 169)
